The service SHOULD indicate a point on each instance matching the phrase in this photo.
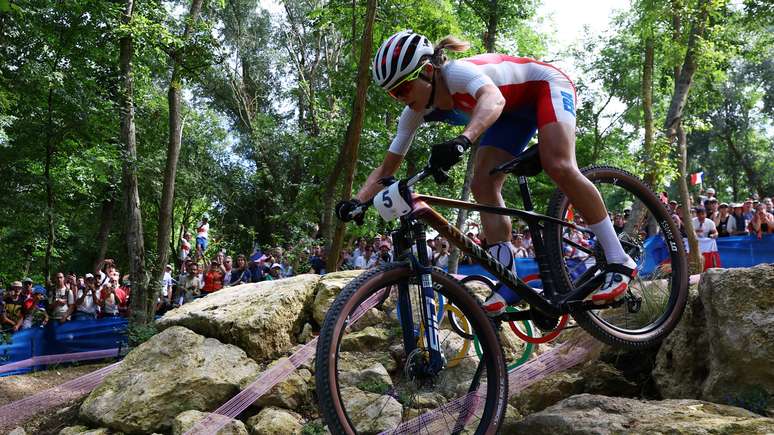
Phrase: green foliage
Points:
(139, 334)
(313, 428)
(376, 386)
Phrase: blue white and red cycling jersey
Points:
(536, 94)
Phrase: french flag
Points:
(697, 178)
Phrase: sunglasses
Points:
(403, 86)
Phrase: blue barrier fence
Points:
(736, 251)
(69, 337)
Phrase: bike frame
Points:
(412, 233)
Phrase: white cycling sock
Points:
(607, 237)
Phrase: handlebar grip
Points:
(440, 176)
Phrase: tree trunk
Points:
(329, 195)
(105, 224)
(694, 256)
(173, 153)
(49, 190)
(134, 233)
(673, 123)
(350, 149)
(651, 169)
(747, 165)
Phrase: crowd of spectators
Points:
(713, 218)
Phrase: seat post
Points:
(525, 196)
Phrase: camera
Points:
(385, 256)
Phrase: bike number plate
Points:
(390, 203)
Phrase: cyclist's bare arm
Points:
(388, 168)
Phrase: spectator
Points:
(86, 300)
(385, 256)
(766, 201)
(618, 223)
(703, 226)
(367, 260)
(228, 268)
(737, 224)
(35, 309)
(6, 324)
(110, 295)
(185, 247)
(528, 242)
(673, 206)
(63, 304)
(762, 222)
(240, 275)
(441, 256)
(213, 279)
(346, 262)
(318, 261)
(202, 235)
(519, 251)
(274, 272)
(104, 270)
(721, 221)
(256, 269)
(26, 288)
(747, 209)
(712, 209)
(359, 248)
(167, 287)
(13, 315)
(191, 287)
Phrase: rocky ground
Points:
(712, 375)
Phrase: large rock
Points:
(371, 412)
(293, 393)
(723, 348)
(263, 319)
(739, 307)
(175, 371)
(188, 419)
(600, 415)
(328, 288)
(78, 430)
(275, 421)
(595, 377)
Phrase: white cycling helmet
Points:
(401, 54)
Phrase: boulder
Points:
(275, 421)
(188, 419)
(328, 288)
(595, 377)
(263, 319)
(292, 393)
(739, 308)
(682, 363)
(723, 348)
(18, 431)
(175, 371)
(367, 339)
(600, 415)
(371, 412)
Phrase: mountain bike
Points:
(372, 380)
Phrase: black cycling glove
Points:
(350, 210)
(447, 154)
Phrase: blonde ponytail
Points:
(448, 43)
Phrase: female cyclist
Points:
(504, 100)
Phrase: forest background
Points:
(122, 122)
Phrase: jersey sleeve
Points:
(465, 77)
(408, 124)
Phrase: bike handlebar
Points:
(414, 179)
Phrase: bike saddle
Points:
(527, 164)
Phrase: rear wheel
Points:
(367, 383)
(656, 297)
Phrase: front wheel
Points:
(368, 383)
(656, 298)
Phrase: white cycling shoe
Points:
(617, 280)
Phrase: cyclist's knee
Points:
(484, 190)
(562, 171)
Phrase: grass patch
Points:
(375, 386)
